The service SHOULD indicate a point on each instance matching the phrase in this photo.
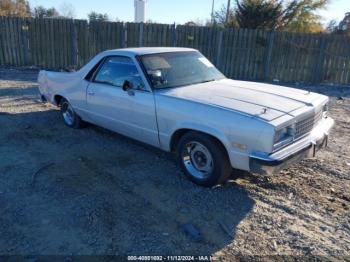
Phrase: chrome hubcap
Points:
(68, 113)
(198, 160)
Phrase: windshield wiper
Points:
(165, 87)
(206, 81)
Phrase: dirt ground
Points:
(91, 191)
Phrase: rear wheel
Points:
(69, 116)
(203, 159)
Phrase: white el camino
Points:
(176, 100)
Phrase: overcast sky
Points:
(168, 11)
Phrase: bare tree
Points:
(288, 15)
(344, 25)
(332, 26)
(67, 10)
(219, 17)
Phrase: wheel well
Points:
(179, 133)
(58, 99)
(175, 138)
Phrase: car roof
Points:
(148, 50)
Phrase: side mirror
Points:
(127, 85)
(156, 77)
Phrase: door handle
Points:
(90, 93)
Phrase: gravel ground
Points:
(91, 191)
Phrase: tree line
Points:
(282, 15)
(22, 8)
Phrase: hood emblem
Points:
(264, 110)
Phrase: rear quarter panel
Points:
(68, 85)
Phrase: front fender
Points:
(199, 128)
(239, 134)
(239, 159)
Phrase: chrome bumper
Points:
(306, 147)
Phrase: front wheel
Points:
(69, 116)
(203, 159)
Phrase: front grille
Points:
(305, 125)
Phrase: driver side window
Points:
(115, 70)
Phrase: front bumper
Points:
(263, 163)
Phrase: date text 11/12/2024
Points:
(171, 258)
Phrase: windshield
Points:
(174, 69)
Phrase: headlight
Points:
(283, 136)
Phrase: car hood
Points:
(264, 101)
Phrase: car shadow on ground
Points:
(91, 191)
(18, 74)
(27, 91)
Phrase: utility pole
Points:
(212, 12)
(228, 11)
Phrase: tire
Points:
(203, 159)
(70, 118)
